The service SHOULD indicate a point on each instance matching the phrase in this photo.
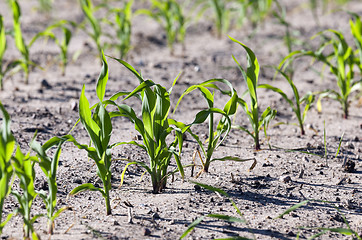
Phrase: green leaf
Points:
(2, 40)
(211, 188)
(227, 218)
(192, 226)
(85, 187)
(129, 67)
(57, 213)
(294, 207)
(102, 79)
(89, 124)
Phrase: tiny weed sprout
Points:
(99, 128)
(7, 147)
(229, 219)
(251, 76)
(49, 166)
(61, 43)
(19, 40)
(170, 16)
(89, 10)
(223, 127)
(24, 169)
(123, 27)
(295, 103)
(155, 128)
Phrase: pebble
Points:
(74, 105)
(350, 145)
(146, 232)
(285, 179)
(45, 84)
(155, 216)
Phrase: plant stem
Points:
(108, 203)
(257, 144)
(211, 139)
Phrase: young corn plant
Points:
(259, 10)
(356, 30)
(123, 27)
(216, 137)
(341, 63)
(24, 169)
(169, 14)
(251, 76)
(89, 10)
(223, 217)
(99, 128)
(4, 69)
(61, 43)
(49, 166)
(221, 14)
(295, 102)
(7, 147)
(154, 126)
(23, 48)
(45, 5)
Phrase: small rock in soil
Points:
(285, 179)
(77, 180)
(197, 188)
(45, 84)
(350, 145)
(349, 166)
(146, 232)
(155, 216)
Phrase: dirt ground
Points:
(280, 179)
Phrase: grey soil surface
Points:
(280, 179)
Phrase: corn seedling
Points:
(123, 26)
(221, 14)
(229, 219)
(89, 10)
(19, 40)
(344, 231)
(7, 147)
(4, 69)
(155, 128)
(224, 125)
(45, 5)
(49, 167)
(356, 30)
(295, 102)
(251, 76)
(341, 63)
(99, 128)
(259, 10)
(169, 14)
(24, 169)
(61, 43)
